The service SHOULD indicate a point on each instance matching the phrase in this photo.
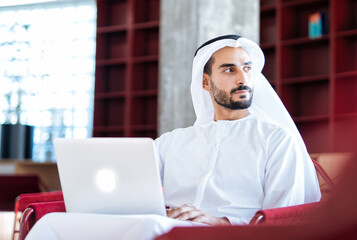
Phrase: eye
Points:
(229, 70)
(247, 68)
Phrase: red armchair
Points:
(294, 215)
(333, 219)
(23, 200)
(35, 212)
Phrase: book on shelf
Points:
(317, 24)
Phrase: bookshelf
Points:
(126, 80)
(316, 78)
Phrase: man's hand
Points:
(188, 212)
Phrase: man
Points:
(243, 153)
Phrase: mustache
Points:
(240, 88)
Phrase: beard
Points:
(225, 100)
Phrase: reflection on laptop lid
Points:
(110, 175)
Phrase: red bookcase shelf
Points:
(345, 15)
(126, 85)
(346, 48)
(112, 12)
(306, 99)
(146, 10)
(346, 92)
(315, 78)
(145, 25)
(316, 135)
(269, 69)
(343, 127)
(145, 110)
(305, 79)
(295, 16)
(268, 30)
(146, 42)
(114, 76)
(267, 3)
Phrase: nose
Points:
(241, 78)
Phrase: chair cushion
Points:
(25, 199)
(42, 208)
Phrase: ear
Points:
(206, 84)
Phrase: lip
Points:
(241, 92)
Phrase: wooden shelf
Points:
(145, 93)
(315, 78)
(306, 119)
(127, 61)
(147, 25)
(125, 27)
(345, 12)
(293, 20)
(109, 62)
(264, 3)
(346, 115)
(346, 53)
(111, 29)
(346, 74)
(315, 135)
(268, 8)
(305, 79)
(347, 33)
(301, 3)
(267, 46)
(305, 41)
(268, 30)
(111, 95)
(106, 129)
(143, 59)
(149, 127)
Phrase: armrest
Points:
(35, 212)
(42, 208)
(26, 222)
(23, 200)
(297, 214)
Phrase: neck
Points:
(221, 113)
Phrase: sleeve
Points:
(284, 172)
(160, 146)
(238, 221)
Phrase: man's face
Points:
(231, 80)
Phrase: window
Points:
(47, 64)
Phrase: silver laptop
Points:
(110, 175)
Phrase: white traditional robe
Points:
(233, 168)
(70, 226)
(226, 168)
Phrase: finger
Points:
(210, 220)
(175, 212)
(200, 219)
(189, 215)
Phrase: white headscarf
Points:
(266, 104)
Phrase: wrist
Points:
(224, 221)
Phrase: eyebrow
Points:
(224, 65)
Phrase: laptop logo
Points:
(106, 180)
